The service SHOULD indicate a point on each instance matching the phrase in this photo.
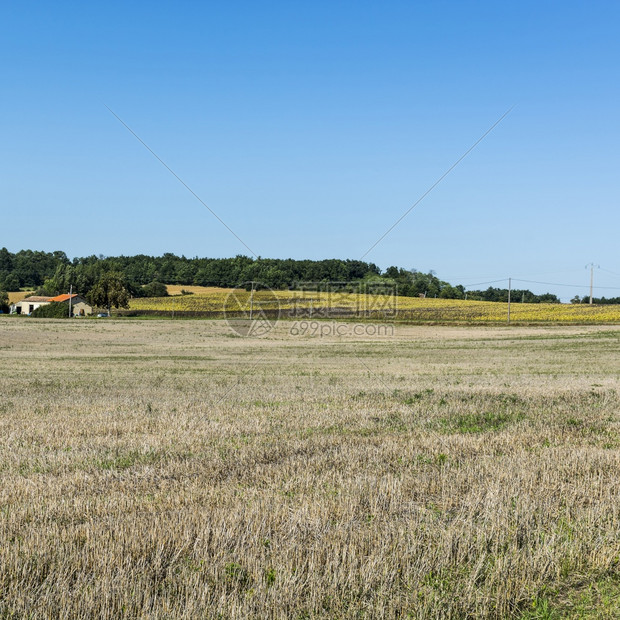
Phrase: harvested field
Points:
(174, 469)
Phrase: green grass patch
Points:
(119, 461)
(482, 422)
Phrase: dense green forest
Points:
(52, 273)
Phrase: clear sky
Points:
(310, 128)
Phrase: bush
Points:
(155, 289)
(53, 310)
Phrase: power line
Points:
(611, 288)
(453, 278)
(488, 282)
(613, 273)
(549, 283)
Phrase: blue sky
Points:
(310, 128)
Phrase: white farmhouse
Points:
(29, 304)
(79, 307)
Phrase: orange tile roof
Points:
(63, 297)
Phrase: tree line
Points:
(52, 273)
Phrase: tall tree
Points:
(110, 291)
(4, 301)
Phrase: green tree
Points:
(11, 283)
(4, 301)
(451, 292)
(6, 260)
(154, 289)
(110, 291)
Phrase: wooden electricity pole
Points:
(509, 291)
(592, 266)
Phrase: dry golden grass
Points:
(18, 296)
(170, 469)
(175, 289)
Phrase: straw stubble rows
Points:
(171, 469)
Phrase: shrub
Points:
(155, 289)
(53, 310)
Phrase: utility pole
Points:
(70, 299)
(509, 291)
(252, 300)
(592, 266)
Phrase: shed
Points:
(79, 307)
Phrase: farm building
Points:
(79, 307)
(29, 304)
